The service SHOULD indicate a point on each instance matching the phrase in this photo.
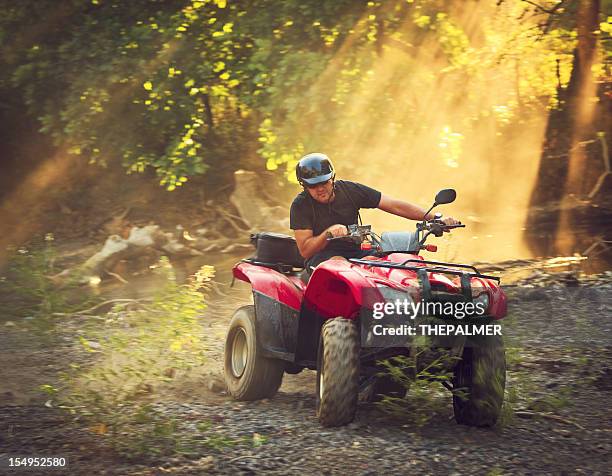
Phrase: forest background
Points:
(506, 101)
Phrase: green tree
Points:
(190, 86)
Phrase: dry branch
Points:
(550, 416)
(607, 171)
(116, 276)
(603, 243)
(229, 219)
(110, 301)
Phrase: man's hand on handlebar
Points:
(336, 231)
(450, 221)
(438, 225)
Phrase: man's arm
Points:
(408, 210)
(309, 245)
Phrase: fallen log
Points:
(148, 241)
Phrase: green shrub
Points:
(137, 350)
(28, 292)
(423, 375)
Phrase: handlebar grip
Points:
(345, 237)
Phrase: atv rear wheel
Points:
(248, 374)
(338, 372)
(481, 374)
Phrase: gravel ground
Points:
(561, 327)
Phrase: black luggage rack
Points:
(439, 267)
(280, 267)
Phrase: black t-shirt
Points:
(308, 214)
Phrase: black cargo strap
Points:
(348, 195)
(425, 284)
(466, 287)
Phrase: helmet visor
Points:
(311, 182)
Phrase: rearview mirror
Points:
(447, 195)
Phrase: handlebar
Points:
(360, 233)
(356, 233)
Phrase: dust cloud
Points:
(419, 122)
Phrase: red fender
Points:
(270, 283)
(335, 289)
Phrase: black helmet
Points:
(313, 169)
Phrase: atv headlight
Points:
(482, 302)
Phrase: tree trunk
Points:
(209, 115)
(583, 106)
(568, 153)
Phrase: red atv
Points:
(324, 322)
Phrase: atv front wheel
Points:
(338, 372)
(479, 382)
(248, 374)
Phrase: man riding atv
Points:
(329, 322)
(326, 206)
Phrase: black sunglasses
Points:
(307, 185)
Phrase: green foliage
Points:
(28, 292)
(134, 353)
(144, 346)
(374, 94)
(421, 375)
(159, 84)
(553, 402)
(187, 86)
(524, 391)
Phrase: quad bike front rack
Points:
(438, 267)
